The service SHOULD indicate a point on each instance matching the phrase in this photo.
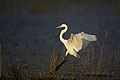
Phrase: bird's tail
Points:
(76, 54)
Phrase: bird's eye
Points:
(62, 27)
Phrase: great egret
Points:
(75, 43)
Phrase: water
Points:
(34, 36)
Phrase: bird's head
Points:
(61, 26)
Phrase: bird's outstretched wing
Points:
(86, 38)
(80, 40)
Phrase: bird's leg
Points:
(64, 61)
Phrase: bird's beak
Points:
(58, 27)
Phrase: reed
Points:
(16, 71)
(89, 66)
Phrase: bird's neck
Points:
(61, 34)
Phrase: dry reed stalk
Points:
(61, 71)
(109, 63)
(116, 62)
(42, 62)
(100, 60)
(53, 61)
(104, 64)
(92, 61)
(52, 73)
(101, 55)
(73, 71)
(88, 62)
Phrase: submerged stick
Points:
(64, 61)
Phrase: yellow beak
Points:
(58, 27)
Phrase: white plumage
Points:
(76, 41)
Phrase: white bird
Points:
(75, 43)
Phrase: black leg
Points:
(64, 61)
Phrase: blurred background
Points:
(28, 27)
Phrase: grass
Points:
(104, 66)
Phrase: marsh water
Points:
(33, 36)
